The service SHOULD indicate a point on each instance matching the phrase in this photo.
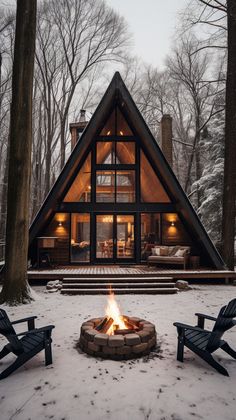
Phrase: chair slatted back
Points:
(223, 323)
(8, 331)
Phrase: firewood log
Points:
(130, 324)
(107, 325)
(103, 322)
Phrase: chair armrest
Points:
(201, 319)
(211, 318)
(189, 327)
(29, 320)
(18, 321)
(36, 330)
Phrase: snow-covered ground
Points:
(79, 387)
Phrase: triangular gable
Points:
(117, 91)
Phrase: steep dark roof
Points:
(118, 91)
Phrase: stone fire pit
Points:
(126, 345)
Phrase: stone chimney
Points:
(166, 138)
(77, 128)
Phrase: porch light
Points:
(60, 224)
(172, 223)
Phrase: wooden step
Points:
(126, 279)
(106, 275)
(115, 286)
(120, 291)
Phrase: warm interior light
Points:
(60, 224)
(172, 224)
(121, 133)
(89, 187)
(72, 241)
(107, 219)
(108, 133)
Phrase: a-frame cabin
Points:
(115, 194)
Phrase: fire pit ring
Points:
(125, 344)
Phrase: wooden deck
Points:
(128, 271)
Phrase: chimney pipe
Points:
(166, 138)
(77, 128)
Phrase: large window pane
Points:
(105, 186)
(104, 236)
(80, 190)
(80, 237)
(173, 231)
(125, 153)
(115, 153)
(105, 153)
(125, 186)
(150, 233)
(152, 190)
(125, 236)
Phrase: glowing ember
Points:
(112, 311)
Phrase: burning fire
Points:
(112, 311)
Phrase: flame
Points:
(113, 311)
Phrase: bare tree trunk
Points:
(229, 194)
(15, 287)
(3, 199)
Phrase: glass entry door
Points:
(115, 237)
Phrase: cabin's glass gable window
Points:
(115, 186)
(125, 186)
(80, 190)
(80, 237)
(115, 153)
(105, 186)
(116, 125)
(152, 190)
(121, 221)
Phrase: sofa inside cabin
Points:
(161, 254)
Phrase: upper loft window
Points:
(116, 125)
(115, 153)
(151, 189)
(80, 190)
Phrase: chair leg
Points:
(229, 350)
(15, 365)
(209, 359)
(4, 352)
(48, 352)
(31, 324)
(180, 349)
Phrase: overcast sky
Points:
(152, 23)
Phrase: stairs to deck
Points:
(93, 285)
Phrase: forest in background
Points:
(79, 45)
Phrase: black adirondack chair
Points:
(32, 342)
(203, 342)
